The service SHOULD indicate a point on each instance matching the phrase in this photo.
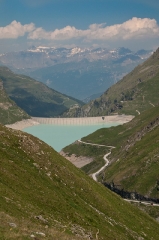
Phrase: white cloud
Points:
(135, 28)
(65, 33)
(15, 29)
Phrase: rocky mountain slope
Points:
(76, 72)
(43, 196)
(136, 92)
(34, 97)
(9, 111)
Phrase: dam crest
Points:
(84, 120)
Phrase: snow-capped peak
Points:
(76, 50)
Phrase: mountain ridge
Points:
(75, 72)
(9, 111)
(134, 93)
(34, 97)
(63, 55)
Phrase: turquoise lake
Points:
(59, 136)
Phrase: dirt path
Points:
(105, 158)
(94, 175)
(102, 168)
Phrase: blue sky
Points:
(83, 23)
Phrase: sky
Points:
(82, 23)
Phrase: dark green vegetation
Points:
(9, 111)
(35, 98)
(135, 160)
(134, 163)
(152, 211)
(135, 93)
(41, 192)
(137, 165)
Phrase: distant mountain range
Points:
(134, 93)
(80, 73)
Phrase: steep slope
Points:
(9, 111)
(134, 161)
(43, 196)
(136, 92)
(137, 165)
(34, 97)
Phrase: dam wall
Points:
(85, 120)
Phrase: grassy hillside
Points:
(9, 111)
(135, 93)
(35, 97)
(134, 161)
(137, 165)
(43, 196)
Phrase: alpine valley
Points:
(44, 196)
(81, 73)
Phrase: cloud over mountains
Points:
(15, 29)
(135, 28)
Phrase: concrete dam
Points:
(84, 120)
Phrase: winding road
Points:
(94, 175)
(101, 169)
(142, 202)
(105, 158)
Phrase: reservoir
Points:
(59, 136)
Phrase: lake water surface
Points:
(59, 136)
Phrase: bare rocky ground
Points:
(77, 161)
(22, 124)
